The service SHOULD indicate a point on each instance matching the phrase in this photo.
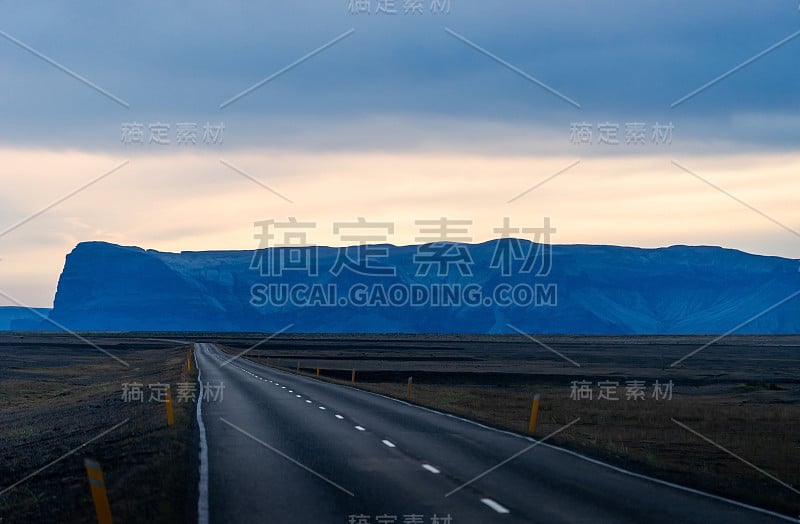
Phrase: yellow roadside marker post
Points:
(168, 402)
(534, 413)
(298, 366)
(408, 388)
(317, 370)
(99, 495)
(353, 377)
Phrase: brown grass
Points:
(55, 399)
(752, 420)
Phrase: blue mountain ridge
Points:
(19, 318)
(590, 289)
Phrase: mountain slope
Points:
(589, 289)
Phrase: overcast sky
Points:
(395, 117)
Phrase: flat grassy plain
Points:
(741, 393)
(58, 392)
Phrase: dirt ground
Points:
(56, 394)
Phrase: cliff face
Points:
(590, 289)
(108, 287)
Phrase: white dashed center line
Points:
(299, 396)
(431, 469)
(494, 505)
(308, 401)
(388, 443)
(339, 417)
(360, 428)
(322, 407)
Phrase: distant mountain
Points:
(21, 318)
(579, 289)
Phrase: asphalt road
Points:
(289, 449)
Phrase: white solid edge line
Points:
(587, 459)
(431, 469)
(494, 505)
(202, 495)
(556, 448)
(389, 443)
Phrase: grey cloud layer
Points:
(622, 61)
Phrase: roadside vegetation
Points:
(57, 393)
